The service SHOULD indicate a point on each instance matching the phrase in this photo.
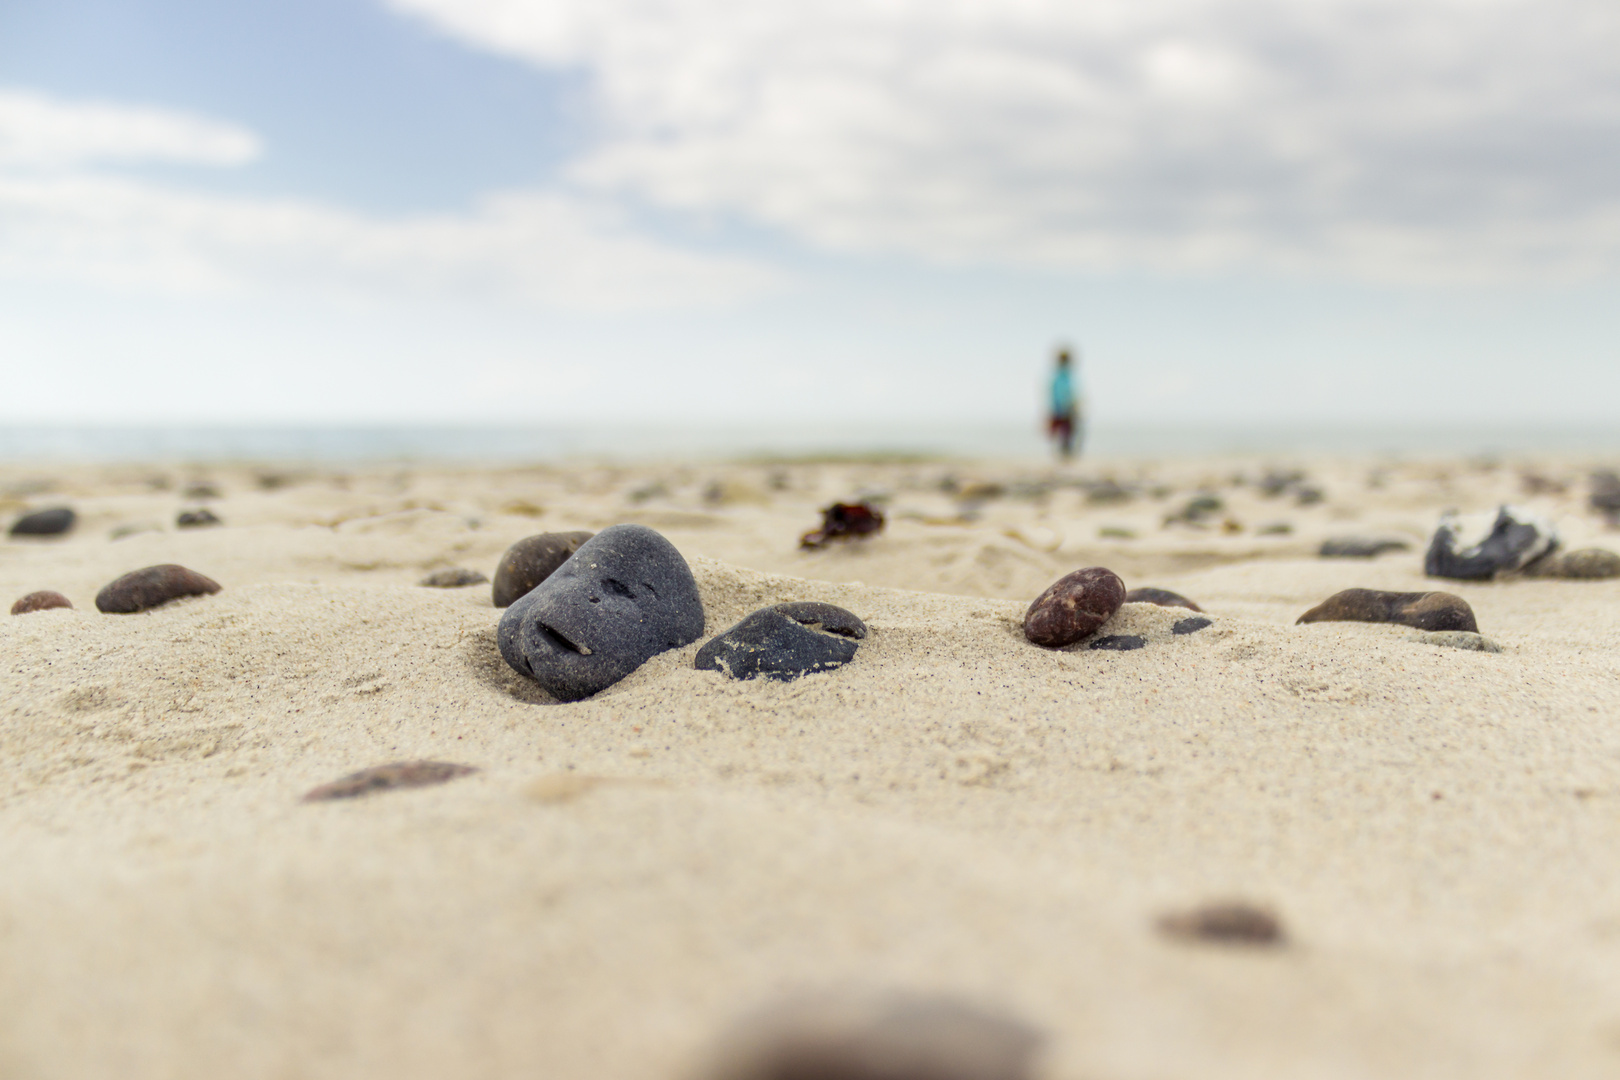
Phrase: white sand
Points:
(956, 810)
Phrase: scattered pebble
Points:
(142, 589)
(1074, 606)
(1517, 538)
(1225, 923)
(1161, 597)
(456, 578)
(1198, 509)
(1277, 481)
(43, 600)
(874, 1037)
(53, 522)
(1116, 532)
(1536, 484)
(844, 521)
(1360, 547)
(1274, 528)
(1191, 626)
(1107, 492)
(400, 774)
(1309, 496)
(1118, 642)
(624, 597)
(1421, 610)
(200, 518)
(1605, 497)
(1458, 639)
(1583, 564)
(200, 489)
(784, 641)
(530, 561)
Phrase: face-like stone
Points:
(624, 597)
(530, 561)
(1424, 611)
(1074, 606)
(142, 589)
(784, 641)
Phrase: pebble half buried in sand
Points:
(399, 774)
(1160, 597)
(1073, 606)
(530, 561)
(784, 641)
(53, 522)
(874, 1037)
(43, 600)
(1516, 539)
(1232, 922)
(1421, 610)
(457, 578)
(1584, 564)
(624, 597)
(155, 585)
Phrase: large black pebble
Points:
(783, 642)
(1118, 642)
(53, 522)
(1190, 626)
(1516, 539)
(530, 561)
(142, 589)
(624, 597)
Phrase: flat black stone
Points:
(53, 522)
(1191, 626)
(197, 519)
(1359, 547)
(1118, 642)
(624, 597)
(784, 642)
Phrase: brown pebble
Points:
(1074, 606)
(1423, 610)
(457, 578)
(142, 589)
(1161, 597)
(399, 774)
(1225, 923)
(43, 600)
(1584, 564)
(887, 1037)
(530, 561)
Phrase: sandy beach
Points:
(956, 811)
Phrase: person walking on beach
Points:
(1066, 417)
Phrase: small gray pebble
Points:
(1118, 642)
(1459, 639)
(783, 642)
(456, 578)
(1360, 547)
(1190, 626)
(197, 519)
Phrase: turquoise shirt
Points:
(1063, 396)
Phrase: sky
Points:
(719, 211)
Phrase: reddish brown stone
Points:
(43, 600)
(399, 774)
(142, 589)
(844, 521)
(1074, 606)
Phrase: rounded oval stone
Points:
(43, 600)
(1073, 606)
(1422, 611)
(154, 585)
(53, 522)
(783, 642)
(1161, 597)
(624, 597)
(1583, 564)
(530, 561)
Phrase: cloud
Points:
(1428, 139)
(36, 130)
(60, 220)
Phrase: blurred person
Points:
(1067, 416)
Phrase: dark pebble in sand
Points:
(142, 589)
(400, 774)
(624, 597)
(1074, 606)
(43, 600)
(457, 578)
(844, 521)
(53, 522)
(1359, 547)
(1422, 610)
(1161, 597)
(1584, 564)
(1191, 626)
(875, 1037)
(1605, 496)
(530, 561)
(1230, 923)
(200, 489)
(200, 518)
(784, 641)
(1118, 642)
(1516, 539)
